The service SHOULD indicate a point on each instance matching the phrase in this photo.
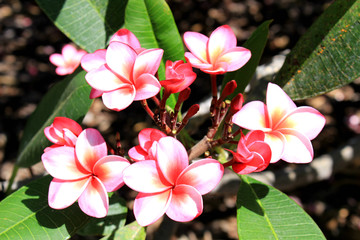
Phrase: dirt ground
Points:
(27, 38)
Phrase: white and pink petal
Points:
(185, 205)
(94, 200)
(90, 148)
(64, 193)
(109, 170)
(150, 207)
(60, 162)
(144, 177)
(203, 175)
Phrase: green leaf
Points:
(132, 231)
(68, 98)
(88, 23)
(26, 214)
(153, 24)
(327, 56)
(264, 212)
(256, 44)
(115, 219)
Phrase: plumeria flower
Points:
(68, 60)
(288, 129)
(84, 173)
(179, 75)
(125, 76)
(62, 132)
(217, 54)
(146, 149)
(169, 185)
(252, 155)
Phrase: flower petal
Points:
(104, 79)
(235, 58)
(277, 142)
(252, 116)
(148, 208)
(306, 120)
(69, 51)
(171, 157)
(197, 44)
(147, 61)
(195, 62)
(148, 135)
(63, 122)
(95, 93)
(57, 59)
(60, 163)
(144, 177)
(94, 200)
(109, 170)
(298, 148)
(93, 60)
(125, 36)
(185, 205)
(257, 164)
(278, 104)
(220, 40)
(121, 58)
(119, 99)
(203, 175)
(137, 153)
(90, 147)
(62, 193)
(146, 86)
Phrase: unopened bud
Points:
(236, 103)
(228, 89)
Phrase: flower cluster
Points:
(159, 167)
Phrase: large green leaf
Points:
(327, 56)
(264, 212)
(88, 23)
(256, 44)
(153, 24)
(68, 98)
(114, 220)
(132, 231)
(25, 214)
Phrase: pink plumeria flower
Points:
(62, 132)
(84, 173)
(288, 129)
(146, 149)
(179, 75)
(252, 155)
(169, 185)
(217, 54)
(68, 60)
(93, 61)
(126, 76)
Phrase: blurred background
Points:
(28, 37)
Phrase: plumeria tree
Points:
(134, 53)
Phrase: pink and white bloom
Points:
(216, 54)
(169, 185)
(62, 132)
(252, 154)
(122, 76)
(288, 129)
(68, 60)
(179, 75)
(84, 173)
(146, 150)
